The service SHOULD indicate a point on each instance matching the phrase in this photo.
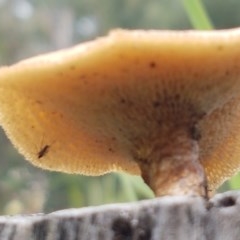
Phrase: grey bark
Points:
(165, 218)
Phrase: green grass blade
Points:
(197, 14)
(235, 182)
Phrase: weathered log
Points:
(165, 218)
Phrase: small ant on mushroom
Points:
(43, 151)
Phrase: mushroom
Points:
(161, 104)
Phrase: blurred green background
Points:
(30, 27)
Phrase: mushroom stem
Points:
(173, 166)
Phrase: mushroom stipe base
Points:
(174, 168)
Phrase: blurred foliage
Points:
(30, 27)
(197, 14)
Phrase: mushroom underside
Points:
(130, 103)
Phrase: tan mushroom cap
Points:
(111, 104)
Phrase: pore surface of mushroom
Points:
(163, 104)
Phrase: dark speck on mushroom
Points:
(123, 100)
(177, 97)
(120, 129)
(38, 101)
(227, 72)
(83, 76)
(152, 64)
(156, 104)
